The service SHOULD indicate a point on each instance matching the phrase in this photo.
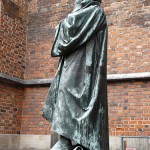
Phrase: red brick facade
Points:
(128, 36)
(128, 48)
(13, 25)
(43, 17)
(129, 108)
(10, 108)
(32, 121)
(25, 53)
(13, 37)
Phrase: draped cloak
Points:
(76, 104)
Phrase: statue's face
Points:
(85, 1)
(78, 1)
(82, 1)
(98, 0)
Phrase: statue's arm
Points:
(76, 29)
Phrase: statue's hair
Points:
(79, 1)
(98, 1)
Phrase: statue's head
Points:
(98, 1)
(85, 1)
(81, 3)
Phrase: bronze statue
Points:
(76, 104)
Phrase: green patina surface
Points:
(76, 103)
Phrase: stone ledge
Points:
(24, 142)
(129, 76)
(14, 80)
(4, 77)
(110, 77)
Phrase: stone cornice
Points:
(110, 77)
(4, 77)
(129, 76)
(18, 81)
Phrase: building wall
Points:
(129, 108)
(13, 37)
(13, 25)
(25, 54)
(43, 17)
(128, 52)
(10, 108)
(13, 16)
(32, 120)
(128, 47)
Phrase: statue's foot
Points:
(62, 144)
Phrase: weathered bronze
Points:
(76, 103)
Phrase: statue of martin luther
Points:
(76, 104)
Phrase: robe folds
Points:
(76, 104)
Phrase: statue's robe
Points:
(76, 103)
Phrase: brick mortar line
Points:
(111, 77)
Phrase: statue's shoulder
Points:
(92, 9)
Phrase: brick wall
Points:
(129, 108)
(12, 62)
(128, 35)
(13, 37)
(32, 120)
(10, 108)
(127, 53)
(129, 26)
(43, 17)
